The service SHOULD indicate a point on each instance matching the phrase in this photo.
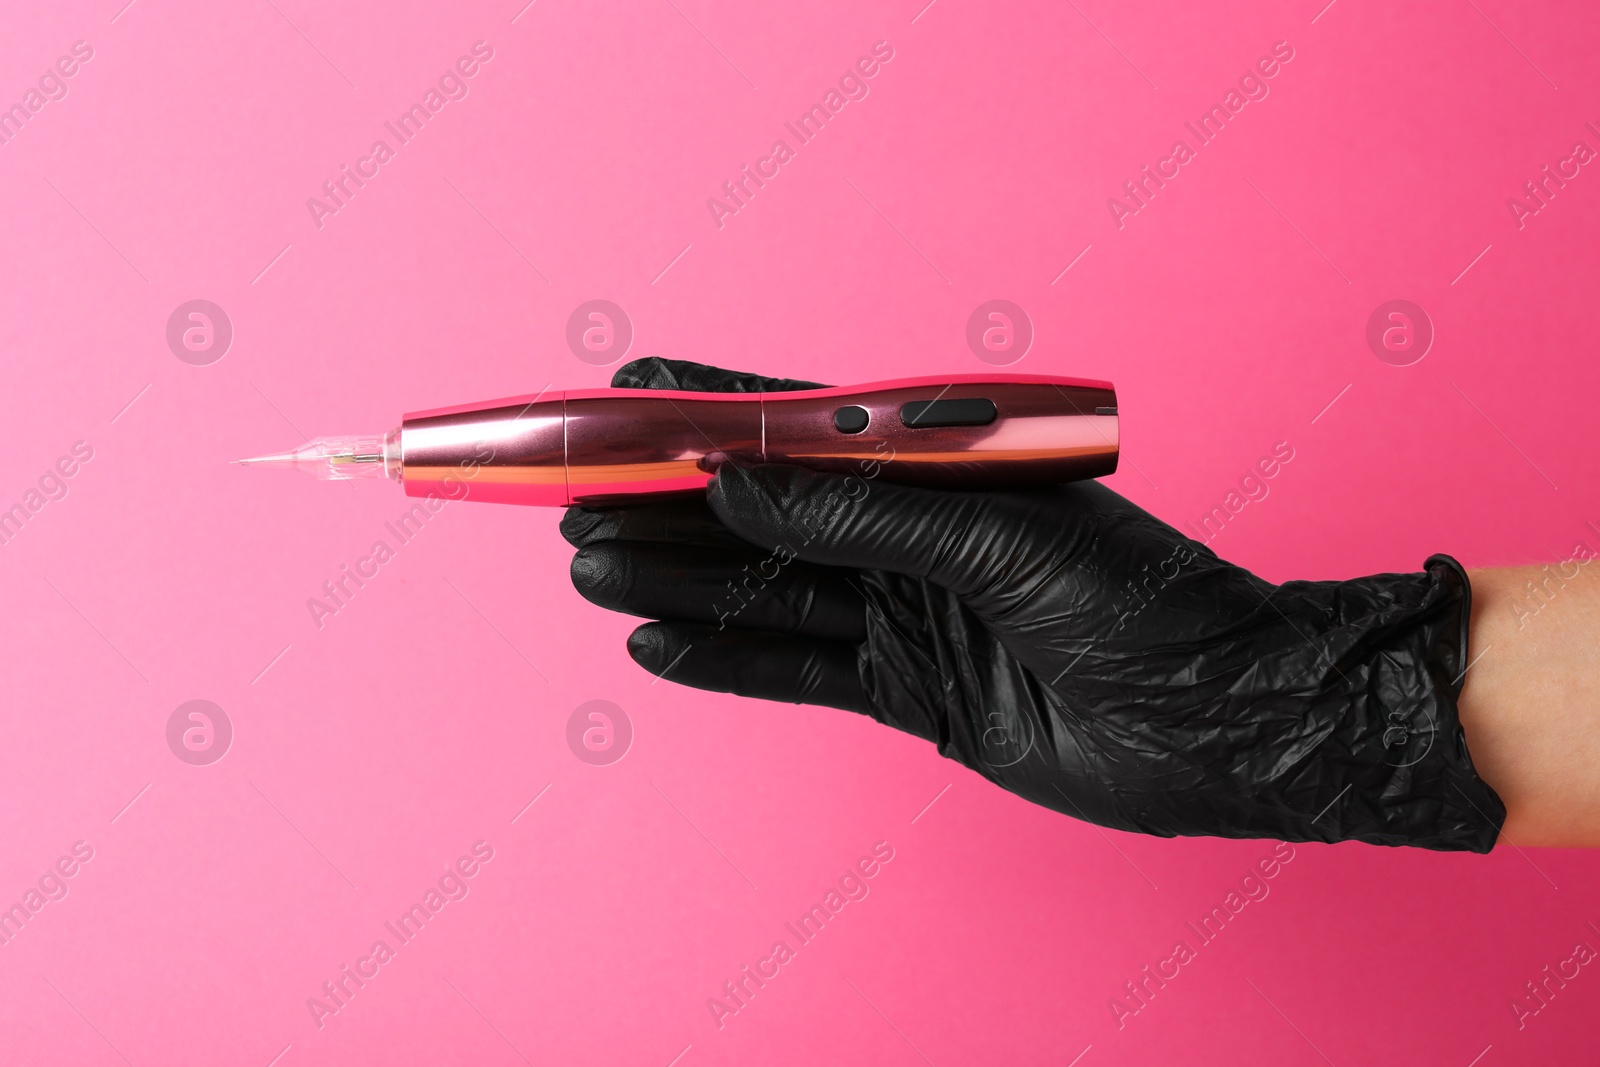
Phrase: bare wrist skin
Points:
(1529, 706)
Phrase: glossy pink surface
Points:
(510, 451)
(375, 740)
(616, 446)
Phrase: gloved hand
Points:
(1063, 643)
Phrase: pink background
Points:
(424, 716)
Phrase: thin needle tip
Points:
(336, 457)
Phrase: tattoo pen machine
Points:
(613, 446)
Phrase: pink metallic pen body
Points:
(606, 446)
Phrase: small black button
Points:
(852, 419)
(968, 411)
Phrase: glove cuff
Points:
(1418, 787)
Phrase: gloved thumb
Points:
(978, 545)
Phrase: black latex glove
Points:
(1063, 643)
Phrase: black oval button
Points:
(968, 411)
(852, 419)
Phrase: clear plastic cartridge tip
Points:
(339, 458)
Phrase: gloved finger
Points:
(988, 548)
(795, 670)
(685, 520)
(653, 372)
(749, 590)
